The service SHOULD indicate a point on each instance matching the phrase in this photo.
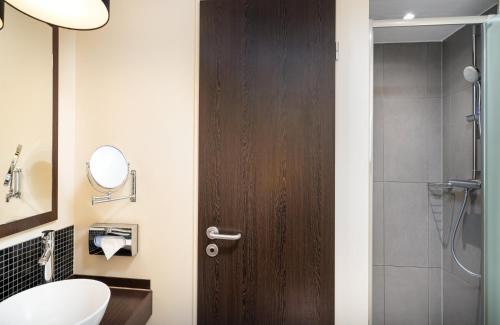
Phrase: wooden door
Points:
(266, 162)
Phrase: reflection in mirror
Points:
(13, 177)
(27, 116)
(108, 171)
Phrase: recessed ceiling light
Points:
(409, 16)
(72, 14)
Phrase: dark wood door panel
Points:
(267, 161)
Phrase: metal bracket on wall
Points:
(14, 185)
(108, 197)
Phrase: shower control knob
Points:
(212, 250)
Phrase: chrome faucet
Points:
(47, 258)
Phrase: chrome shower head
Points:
(471, 74)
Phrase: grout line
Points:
(406, 182)
(410, 266)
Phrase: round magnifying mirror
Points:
(108, 169)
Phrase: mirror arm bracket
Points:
(14, 185)
(108, 197)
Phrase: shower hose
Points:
(455, 230)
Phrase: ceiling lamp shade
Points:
(1, 13)
(71, 14)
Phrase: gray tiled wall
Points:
(421, 136)
(408, 120)
(461, 292)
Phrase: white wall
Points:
(135, 82)
(353, 165)
(66, 144)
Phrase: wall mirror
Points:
(108, 170)
(28, 132)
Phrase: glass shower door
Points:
(492, 171)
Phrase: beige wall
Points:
(135, 82)
(149, 72)
(66, 144)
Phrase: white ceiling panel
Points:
(413, 34)
(396, 9)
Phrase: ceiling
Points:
(396, 9)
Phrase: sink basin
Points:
(68, 302)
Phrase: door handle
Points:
(213, 233)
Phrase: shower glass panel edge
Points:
(491, 143)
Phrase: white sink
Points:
(68, 302)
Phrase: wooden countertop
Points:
(131, 300)
(128, 306)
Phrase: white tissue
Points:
(110, 244)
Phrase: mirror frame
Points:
(40, 219)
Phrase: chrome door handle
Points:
(213, 233)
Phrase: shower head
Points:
(471, 74)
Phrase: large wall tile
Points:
(412, 140)
(378, 70)
(435, 295)
(406, 224)
(434, 126)
(450, 202)
(457, 135)
(460, 302)
(436, 238)
(378, 295)
(378, 140)
(378, 223)
(457, 54)
(405, 72)
(434, 69)
(408, 153)
(468, 240)
(406, 296)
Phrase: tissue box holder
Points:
(127, 231)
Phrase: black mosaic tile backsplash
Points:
(64, 253)
(19, 269)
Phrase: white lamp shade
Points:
(1, 13)
(72, 14)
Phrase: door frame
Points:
(353, 170)
(354, 111)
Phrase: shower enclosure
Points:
(436, 179)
